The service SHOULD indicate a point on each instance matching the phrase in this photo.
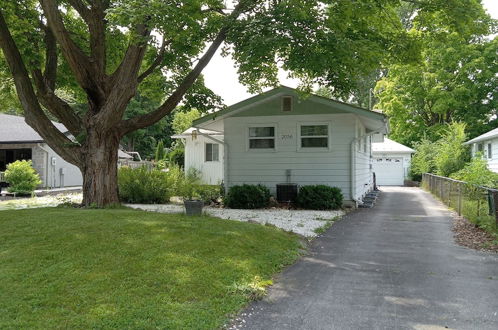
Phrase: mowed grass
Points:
(128, 269)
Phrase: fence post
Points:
(495, 204)
(460, 198)
(442, 187)
(449, 193)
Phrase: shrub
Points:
(141, 185)
(451, 155)
(209, 193)
(22, 177)
(319, 197)
(423, 159)
(247, 196)
(177, 157)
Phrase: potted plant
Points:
(193, 206)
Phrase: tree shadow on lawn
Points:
(126, 268)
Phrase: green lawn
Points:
(82, 269)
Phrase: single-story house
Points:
(281, 137)
(18, 141)
(487, 145)
(391, 162)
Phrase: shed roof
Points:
(390, 146)
(189, 131)
(13, 129)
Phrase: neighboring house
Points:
(487, 145)
(279, 137)
(18, 141)
(391, 162)
(204, 152)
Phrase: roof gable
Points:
(390, 146)
(486, 136)
(268, 104)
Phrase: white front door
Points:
(389, 171)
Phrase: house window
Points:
(287, 103)
(314, 136)
(212, 152)
(490, 151)
(262, 137)
(365, 144)
(480, 147)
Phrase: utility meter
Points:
(54, 161)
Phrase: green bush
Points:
(423, 159)
(209, 193)
(451, 154)
(247, 196)
(22, 177)
(177, 157)
(141, 185)
(319, 197)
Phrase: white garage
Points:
(391, 162)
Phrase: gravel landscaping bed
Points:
(304, 222)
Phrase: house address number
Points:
(286, 136)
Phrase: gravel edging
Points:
(308, 223)
(468, 235)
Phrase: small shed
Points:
(391, 162)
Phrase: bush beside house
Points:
(22, 177)
(319, 197)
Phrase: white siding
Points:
(331, 167)
(212, 172)
(492, 162)
(363, 171)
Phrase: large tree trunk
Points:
(100, 170)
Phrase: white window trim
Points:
(248, 138)
(205, 153)
(329, 131)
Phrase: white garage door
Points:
(389, 171)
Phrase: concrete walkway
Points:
(395, 266)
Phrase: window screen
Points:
(314, 136)
(212, 152)
(262, 137)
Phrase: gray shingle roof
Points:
(486, 136)
(13, 129)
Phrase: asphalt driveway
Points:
(392, 267)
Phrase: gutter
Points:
(225, 154)
(46, 163)
(353, 159)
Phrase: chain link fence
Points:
(475, 203)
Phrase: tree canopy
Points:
(454, 80)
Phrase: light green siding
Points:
(272, 107)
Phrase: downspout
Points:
(353, 160)
(225, 155)
(46, 163)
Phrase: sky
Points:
(221, 76)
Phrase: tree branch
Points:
(78, 61)
(34, 115)
(58, 107)
(157, 61)
(50, 71)
(172, 101)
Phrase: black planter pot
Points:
(193, 207)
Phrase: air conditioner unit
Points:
(286, 192)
